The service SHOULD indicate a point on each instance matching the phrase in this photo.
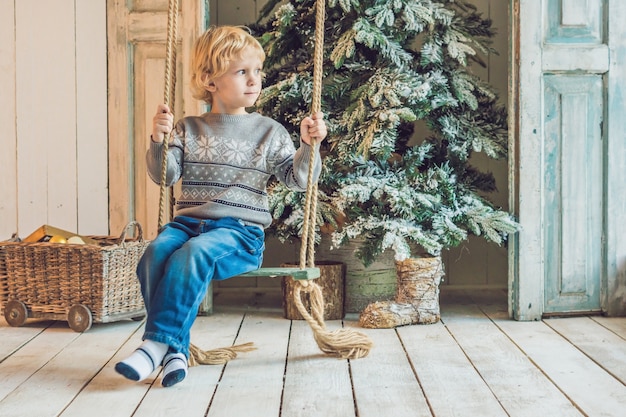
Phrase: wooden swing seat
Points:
(296, 273)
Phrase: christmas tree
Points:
(387, 65)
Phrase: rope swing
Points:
(342, 343)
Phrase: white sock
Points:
(174, 369)
(143, 361)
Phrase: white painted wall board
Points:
(119, 156)
(91, 118)
(8, 139)
(46, 114)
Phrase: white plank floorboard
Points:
(615, 324)
(451, 384)
(601, 345)
(585, 383)
(51, 388)
(315, 384)
(474, 363)
(521, 388)
(109, 394)
(252, 385)
(28, 360)
(191, 398)
(384, 380)
(14, 338)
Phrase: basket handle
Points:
(130, 225)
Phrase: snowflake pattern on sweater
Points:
(225, 163)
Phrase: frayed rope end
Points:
(344, 343)
(218, 356)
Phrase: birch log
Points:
(332, 283)
(417, 296)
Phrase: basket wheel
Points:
(79, 318)
(15, 313)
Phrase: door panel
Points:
(137, 32)
(573, 191)
(567, 157)
(573, 162)
(579, 21)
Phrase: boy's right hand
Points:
(162, 123)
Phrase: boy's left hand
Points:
(313, 127)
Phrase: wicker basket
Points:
(78, 283)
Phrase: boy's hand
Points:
(162, 123)
(313, 127)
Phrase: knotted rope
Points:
(169, 98)
(343, 343)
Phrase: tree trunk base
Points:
(389, 314)
(332, 283)
(417, 296)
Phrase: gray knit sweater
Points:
(225, 162)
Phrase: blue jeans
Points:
(179, 264)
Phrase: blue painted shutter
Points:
(573, 71)
(568, 157)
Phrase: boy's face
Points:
(239, 87)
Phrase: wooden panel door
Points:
(567, 103)
(572, 195)
(137, 34)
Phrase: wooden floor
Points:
(475, 362)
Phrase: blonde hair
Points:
(213, 52)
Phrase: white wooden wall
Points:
(53, 93)
(53, 165)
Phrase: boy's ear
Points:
(208, 83)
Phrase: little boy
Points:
(224, 158)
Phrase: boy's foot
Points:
(143, 361)
(174, 369)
